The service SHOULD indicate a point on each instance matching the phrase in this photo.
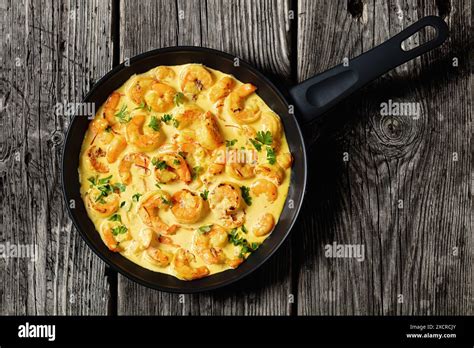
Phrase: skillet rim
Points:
(278, 243)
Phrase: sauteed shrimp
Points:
(185, 170)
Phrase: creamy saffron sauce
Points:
(188, 139)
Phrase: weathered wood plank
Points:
(51, 52)
(401, 193)
(257, 32)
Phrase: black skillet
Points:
(312, 97)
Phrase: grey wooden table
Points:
(400, 187)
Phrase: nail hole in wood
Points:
(444, 8)
(355, 8)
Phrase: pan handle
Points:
(316, 95)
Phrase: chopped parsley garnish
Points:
(104, 181)
(136, 197)
(256, 144)
(119, 187)
(122, 204)
(263, 138)
(106, 189)
(92, 180)
(204, 194)
(159, 164)
(246, 195)
(143, 106)
(234, 237)
(166, 118)
(271, 155)
(123, 115)
(244, 229)
(229, 143)
(196, 172)
(248, 248)
(182, 154)
(154, 124)
(165, 201)
(245, 246)
(177, 162)
(178, 98)
(158, 185)
(205, 229)
(119, 230)
(103, 185)
(115, 217)
(104, 192)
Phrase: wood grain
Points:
(400, 193)
(51, 52)
(254, 31)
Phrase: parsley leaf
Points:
(119, 230)
(204, 194)
(244, 229)
(115, 217)
(254, 246)
(166, 118)
(119, 186)
(246, 195)
(177, 162)
(143, 106)
(165, 201)
(123, 115)
(178, 98)
(104, 192)
(196, 172)
(271, 155)
(122, 204)
(104, 181)
(154, 124)
(103, 186)
(136, 197)
(93, 180)
(159, 164)
(106, 189)
(264, 137)
(256, 144)
(229, 143)
(234, 237)
(205, 229)
(245, 246)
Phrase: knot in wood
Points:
(393, 129)
(395, 135)
(57, 138)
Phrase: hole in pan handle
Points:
(316, 95)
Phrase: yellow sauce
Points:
(145, 183)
